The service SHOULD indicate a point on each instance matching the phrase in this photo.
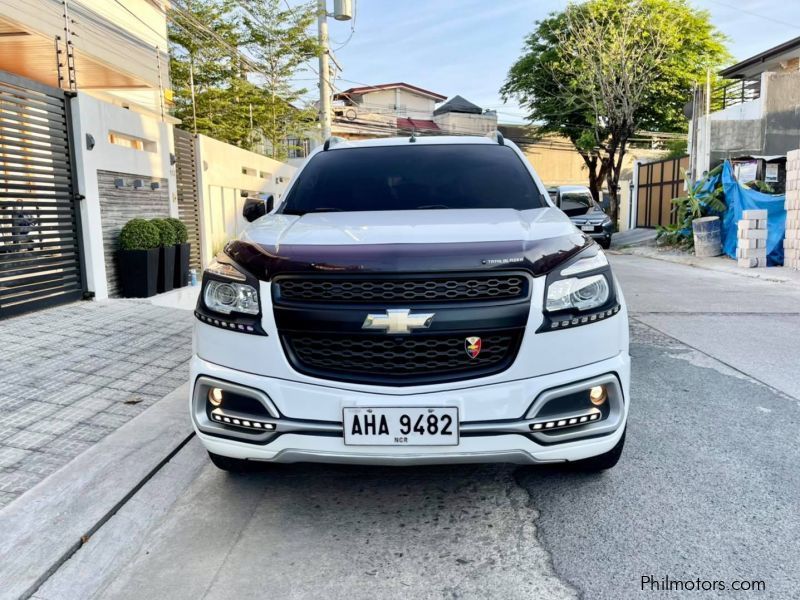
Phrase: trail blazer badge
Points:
(473, 346)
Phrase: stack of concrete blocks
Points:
(751, 246)
(791, 245)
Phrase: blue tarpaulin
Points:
(739, 198)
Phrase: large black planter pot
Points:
(182, 264)
(166, 269)
(138, 272)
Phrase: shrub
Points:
(139, 234)
(698, 202)
(181, 235)
(166, 232)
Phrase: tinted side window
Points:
(414, 177)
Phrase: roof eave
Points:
(733, 71)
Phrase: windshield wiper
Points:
(320, 209)
(431, 206)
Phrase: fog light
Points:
(597, 395)
(215, 396)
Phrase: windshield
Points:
(577, 201)
(414, 177)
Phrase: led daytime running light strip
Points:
(563, 324)
(225, 324)
(592, 415)
(239, 422)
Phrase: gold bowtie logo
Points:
(398, 320)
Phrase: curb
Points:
(50, 522)
(699, 263)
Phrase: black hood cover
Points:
(538, 257)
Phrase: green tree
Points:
(207, 61)
(601, 70)
(232, 63)
(280, 42)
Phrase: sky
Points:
(467, 46)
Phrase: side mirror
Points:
(255, 208)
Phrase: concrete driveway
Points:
(73, 374)
(706, 490)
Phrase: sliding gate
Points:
(658, 183)
(40, 246)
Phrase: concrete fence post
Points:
(791, 243)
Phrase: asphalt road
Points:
(707, 489)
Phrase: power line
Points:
(263, 24)
(352, 29)
(211, 35)
(754, 14)
(160, 34)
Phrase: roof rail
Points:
(496, 136)
(332, 141)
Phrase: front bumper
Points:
(494, 420)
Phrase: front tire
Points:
(232, 465)
(605, 243)
(601, 462)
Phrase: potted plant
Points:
(166, 257)
(182, 249)
(138, 258)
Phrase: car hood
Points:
(408, 241)
(408, 227)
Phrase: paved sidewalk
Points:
(71, 375)
(721, 264)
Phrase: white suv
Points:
(410, 301)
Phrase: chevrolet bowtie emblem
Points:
(398, 320)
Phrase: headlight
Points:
(230, 294)
(579, 293)
(227, 297)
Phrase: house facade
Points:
(392, 109)
(87, 143)
(754, 115)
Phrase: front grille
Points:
(403, 290)
(393, 359)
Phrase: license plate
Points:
(587, 227)
(401, 426)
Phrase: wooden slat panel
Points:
(658, 183)
(188, 196)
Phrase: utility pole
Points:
(324, 74)
(693, 138)
(191, 86)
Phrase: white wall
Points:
(221, 183)
(625, 205)
(400, 102)
(746, 111)
(465, 123)
(98, 118)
